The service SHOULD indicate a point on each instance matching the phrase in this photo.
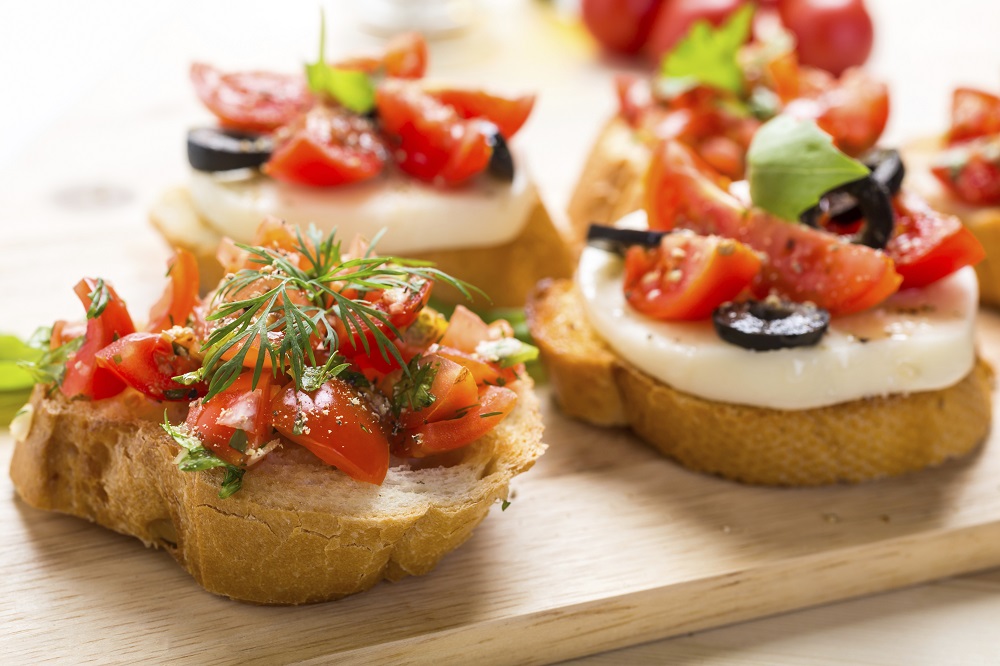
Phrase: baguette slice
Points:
(298, 532)
(852, 441)
(507, 272)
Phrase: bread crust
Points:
(850, 442)
(506, 272)
(297, 532)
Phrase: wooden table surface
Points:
(97, 101)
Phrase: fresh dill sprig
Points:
(413, 391)
(281, 311)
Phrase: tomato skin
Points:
(508, 114)
(830, 34)
(340, 429)
(84, 376)
(251, 101)
(971, 170)
(687, 276)
(454, 388)
(974, 113)
(676, 17)
(495, 403)
(405, 57)
(620, 26)
(432, 142)
(180, 295)
(856, 111)
(327, 147)
(927, 245)
(147, 362)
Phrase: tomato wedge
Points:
(251, 101)
(405, 57)
(495, 403)
(687, 276)
(974, 113)
(453, 388)
(337, 426)
(84, 377)
(180, 295)
(238, 408)
(971, 170)
(148, 363)
(326, 147)
(508, 114)
(927, 245)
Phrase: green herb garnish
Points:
(350, 88)
(504, 504)
(792, 163)
(708, 55)
(194, 457)
(49, 366)
(507, 351)
(99, 299)
(413, 390)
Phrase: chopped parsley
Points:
(413, 390)
(194, 457)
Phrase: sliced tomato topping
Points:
(432, 142)
(974, 113)
(238, 417)
(400, 307)
(84, 377)
(325, 147)
(971, 170)
(687, 276)
(337, 425)
(508, 114)
(148, 362)
(927, 245)
(405, 57)
(454, 389)
(495, 403)
(465, 330)
(251, 101)
(180, 296)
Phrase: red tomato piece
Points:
(634, 97)
(508, 114)
(830, 34)
(327, 147)
(687, 276)
(251, 101)
(974, 113)
(495, 403)
(83, 374)
(239, 407)
(465, 330)
(400, 307)
(405, 57)
(180, 296)
(927, 245)
(620, 26)
(337, 426)
(454, 389)
(432, 142)
(856, 111)
(148, 363)
(971, 170)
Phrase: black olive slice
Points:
(211, 149)
(770, 324)
(887, 167)
(613, 239)
(501, 165)
(875, 203)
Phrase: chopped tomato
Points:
(974, 113)
(971, 170)
(800, 263)
(337, 425)
(327, 146)
(84, 377)
(432, 142)
(241, 407)
(251, 101)
(687, 276)
(465, 330)
(180, 296)
(508, 114)
(927, 245)
(484, 372)
(405, 57)
(454, 389)
(148, 362)
(400, 307)
(495, 403)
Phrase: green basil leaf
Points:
(351, 89)
(707, 55)
(792, 163)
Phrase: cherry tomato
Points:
(830, 34)
(405, 57)
(687, 276)
(326, 147)
(337, 425)
(974, 113)
(495, 403)
(251, 101)
(180, 296)
(621, 26)
(801, 263)
(971, 170)
(508, 114)
(148, 363)
(676, 17)
(84, 376)
(432, 142)
(239, 407)
(927, 245)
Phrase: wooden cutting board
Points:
(605, 544)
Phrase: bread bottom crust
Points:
(850, 442)
(297, 532)
(505, 272)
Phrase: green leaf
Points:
(707, 55)
(196, 458)
(792, 163)
(351, 89)
(99, 299)
(14, 352)
(413, 390)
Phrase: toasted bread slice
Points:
(298, 531)
(507, 271)
(982, 221)
(851, 441)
